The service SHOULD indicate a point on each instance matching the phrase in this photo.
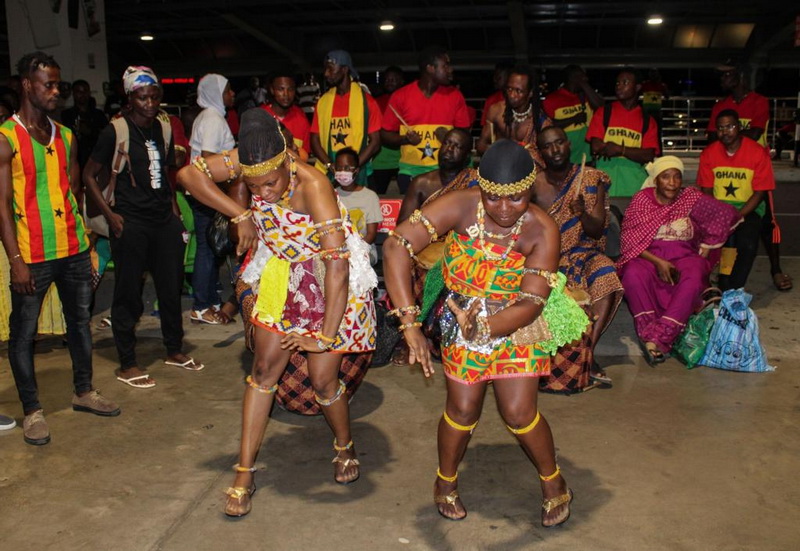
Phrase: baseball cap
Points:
(342, 58)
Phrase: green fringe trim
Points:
(565, 318)
(434, 285)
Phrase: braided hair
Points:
(260, 137)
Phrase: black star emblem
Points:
(13, 153)
(340, 138)
(730, 190)
(20, 216)
(59, 213)
(428, 151)
(50, 150)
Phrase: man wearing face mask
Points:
(345, 116)
(362, 203)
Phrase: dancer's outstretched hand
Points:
(418, 349)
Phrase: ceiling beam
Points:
(236, 21)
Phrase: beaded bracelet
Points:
(409, 325)
(334, 254)
(417, 217)
(405, 310)
(538, 299)
(550, 277)
(404, 242)
(201, 165)
(229, 164)
(242, 217)
(322, 337)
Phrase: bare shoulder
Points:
(495, 114)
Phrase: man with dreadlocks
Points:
(310, 271)
(519, 117)
(503, 295)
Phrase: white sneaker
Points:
(7, 423)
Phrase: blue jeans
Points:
(205, 275)
(73, 279)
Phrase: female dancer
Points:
(501, 255)
(312, 276)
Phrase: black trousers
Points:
(157, 249)
(745, 239)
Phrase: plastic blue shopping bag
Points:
(734, 344)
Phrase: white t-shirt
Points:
(210, 132)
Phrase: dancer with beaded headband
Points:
(311, 273)
(507, 314)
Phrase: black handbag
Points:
(218, 237)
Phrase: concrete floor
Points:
(666, 459)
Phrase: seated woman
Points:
(667, 234)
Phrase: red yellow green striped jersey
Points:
(48, 221)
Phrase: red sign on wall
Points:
(390, 209)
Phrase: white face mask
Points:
(344, 177)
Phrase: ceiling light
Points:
(654, 20)
(387, 26)
(146, 37)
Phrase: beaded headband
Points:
(505, 190)
(264, 167)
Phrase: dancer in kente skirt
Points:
(507, 312)
(312, 277)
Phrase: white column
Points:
(33, 25)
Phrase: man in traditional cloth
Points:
(519, 117)
(345, 116)
(576, 197)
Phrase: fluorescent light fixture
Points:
(387, 26)
(146, 37)
(654, 20)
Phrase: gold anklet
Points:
(464, 428)
(264, 390)
(552, 476)
(525, 430)
(342, 448)
(323, 402)
(446, 478)
(239, 469)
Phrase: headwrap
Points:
(341, 57)
(660, 165)
(136, 77)
(209, 92)
(506, 169)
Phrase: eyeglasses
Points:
(726, 127)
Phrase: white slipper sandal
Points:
(189, 364)
(133, 381)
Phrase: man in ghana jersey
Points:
(736, 170)
(622, 138)
(45, 240)
(345, 116)
(429, 107)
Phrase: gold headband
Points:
(504, 190)
(264, 167)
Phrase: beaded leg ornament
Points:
(325, 403)
(463, 428)
(525, 430)
(263, 389)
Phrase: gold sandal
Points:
(550, 504)
(345, 463)
(449, 499)
(239, 504)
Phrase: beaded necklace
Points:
(513, 234)
(289, 192)
(520, 117)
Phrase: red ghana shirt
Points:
(297, 123)
(753, 111)
(624, 127)
(563, 104)
(491, 100)
(341, 108)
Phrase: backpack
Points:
(97, 223)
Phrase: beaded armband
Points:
(334, 254)
(550, 277)
(201, 165)
(404, 242)
(417, 217)
(538, 299)
(330, 222)
(329, 230)
(226, 157)
(404, 311)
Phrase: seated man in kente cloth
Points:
(576, 197)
